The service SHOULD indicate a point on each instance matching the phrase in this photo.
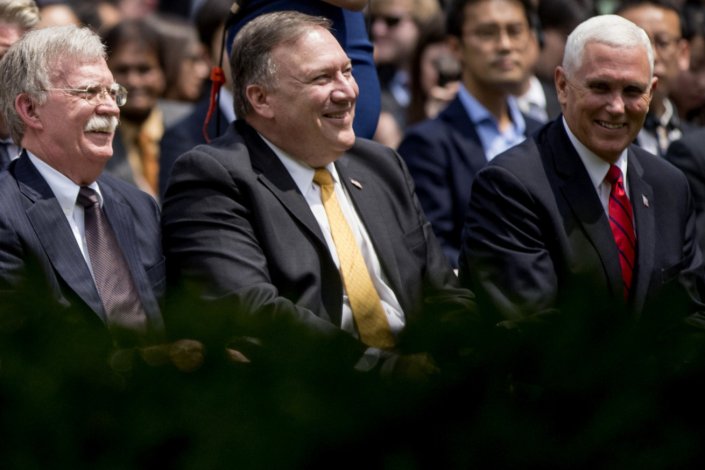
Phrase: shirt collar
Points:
(479, 114)
(596, 167)
(65, 190)
(300, 172)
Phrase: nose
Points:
(346, 88)
(107, 106)
(615, 104)
(504, 39)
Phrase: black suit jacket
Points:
(688, 154)
(535, 230)
(443, 155)
(35, 232)
(234, 219)
(185, 135)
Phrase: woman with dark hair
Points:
(136, 59)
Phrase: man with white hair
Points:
(96, 240)
(579, 214)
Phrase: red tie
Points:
(621, 222)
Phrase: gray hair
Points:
(612, 30)
(37, 60)
(23, 13)
(251, 57)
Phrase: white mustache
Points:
(106, 124)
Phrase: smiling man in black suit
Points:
(258, 215)
(578, 206)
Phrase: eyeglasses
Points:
(389, 20)
(96, 94)
(493, 33)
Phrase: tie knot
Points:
(87, 197)
(614, 175)
(322, 177)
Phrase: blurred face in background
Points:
(495, 46)
(394, 32)
(137, 68)
(671, 52)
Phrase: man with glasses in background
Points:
(94, 239)
(491, 39)
(661, 21)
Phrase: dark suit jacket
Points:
(185, 135)
(35, 232)
(443, 155)
(535, 230)
(234, 219)
(688, 154)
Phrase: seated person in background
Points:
(189, 131)
(661, 22)
(290, 215)
(136, 59)
(186, 66)
(445, 153)
(95, 239)
(16, 18)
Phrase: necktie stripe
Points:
(622, 225)
(625, 232)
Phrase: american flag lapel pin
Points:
(645, 200)
(356, 183)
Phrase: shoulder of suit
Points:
(111, 187)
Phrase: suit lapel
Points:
(55, 235)
(579, 192)
(464, 135)
(641, 196)
(272, 174)
(365, 196)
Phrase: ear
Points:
(259, 100)
(683, 55)
(561, 84)
(27, 110)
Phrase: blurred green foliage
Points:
(577, 389)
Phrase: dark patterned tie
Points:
(621, 222)
(112, 276)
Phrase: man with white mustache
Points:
(247, 216)
(62, 107)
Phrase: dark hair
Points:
(455, 17)
(625, 5)
(138, 31)
(209, 17)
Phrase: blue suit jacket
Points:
(536, 231)
(35, 232)
(443, 155)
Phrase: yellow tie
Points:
(370, 319)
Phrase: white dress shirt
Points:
(302, 175)
(66, 192)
